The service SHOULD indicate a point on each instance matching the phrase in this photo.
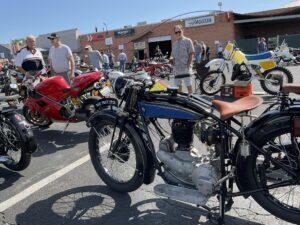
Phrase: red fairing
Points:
(53, 88)
(83, 81)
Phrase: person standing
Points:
(262, 46)
(182, 57)
(105, 61)
(29, 59)
(198, 49)
(158, 52)
(61, 59)
(122, 59)
(94, 56)
(111, 58)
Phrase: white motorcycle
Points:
(243, 67)
(283, 54)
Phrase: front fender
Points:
(215, 64)
(150, 167)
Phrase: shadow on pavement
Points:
(51, 141)
(100, 205)
(8, 178)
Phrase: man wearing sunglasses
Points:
(61, 59)
(182, 55)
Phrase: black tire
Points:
(273, 200)
(12, 143)
(36, 119)
(273, 88)
(104, 127)
(209, 83)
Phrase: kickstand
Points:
(65, 128)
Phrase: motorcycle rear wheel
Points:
(212, 82)
(36, 119)
(123, 168)
(284, 201)
(13, 146)
(271, 84)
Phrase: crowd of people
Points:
(62, 61)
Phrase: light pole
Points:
(105, 27)
(220, 5)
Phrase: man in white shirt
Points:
(122, 59)
(61, 59)
(29, 59)
(105, 61)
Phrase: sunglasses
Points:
(178, 32)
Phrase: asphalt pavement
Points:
(61, 187)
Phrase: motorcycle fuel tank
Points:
(53, 87)
(83, 81)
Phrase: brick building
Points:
(217, 28)
(141, 40)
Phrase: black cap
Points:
(52, 36)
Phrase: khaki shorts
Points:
(187, 81)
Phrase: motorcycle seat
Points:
(229, 109)
(260, 56)
(291, 88)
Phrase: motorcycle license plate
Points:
(102, 103)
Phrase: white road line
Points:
(37, 186)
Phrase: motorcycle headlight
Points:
(119, 85)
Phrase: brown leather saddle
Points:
(229, 109)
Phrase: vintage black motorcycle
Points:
(17, 142)
(262, 158)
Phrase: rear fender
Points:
(23, 128)
(254, 132)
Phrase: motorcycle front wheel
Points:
(12, 146)
(212, 82)
(36, 118)
(120, 164)
(284, 200)
(273, 77)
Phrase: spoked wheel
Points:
(273, 77)
(36, 118)
(13, 147)
(284, 200)
(212, 82)
(122, 166)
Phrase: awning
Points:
(269, 18)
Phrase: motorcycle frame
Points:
(195, 104)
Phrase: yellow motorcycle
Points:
(244, 67)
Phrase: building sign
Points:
(95, 37)
(139, 45)
(124, 33)
(108, 41)
(121, 47)
(200, 21)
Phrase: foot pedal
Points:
(5, 159)
(181, 194)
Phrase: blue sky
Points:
(22, 17)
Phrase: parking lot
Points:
(61, 187)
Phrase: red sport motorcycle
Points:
(55, 100)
